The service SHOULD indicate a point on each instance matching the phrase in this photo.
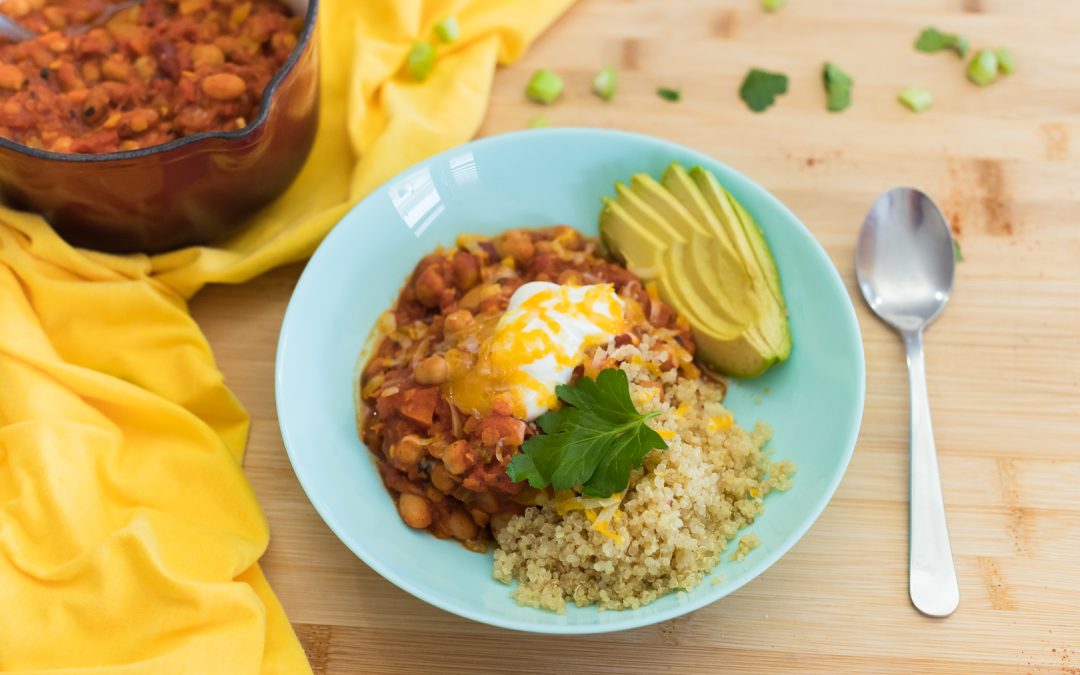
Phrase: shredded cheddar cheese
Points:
(720, 423)
(565, 502)
(533, 347)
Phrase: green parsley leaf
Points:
(760, 88)
(957, 254)
(593, 441)
(932, 40)
(772, 5)
(668, 94)
(837, 88)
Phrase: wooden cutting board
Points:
(1003, 361)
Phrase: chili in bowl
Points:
(165, 125)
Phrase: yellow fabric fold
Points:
(129, 536)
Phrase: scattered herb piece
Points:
(668, 94)
(539, 122)
(605, 82)
(760, 88)
(983, 68)
(421, 60)
(593, 441)
(447, 30)
(1005, 61)
(932, 40)
(837, 88)
(957, 254)
(772, 5)
(917, 99)
(544, 87)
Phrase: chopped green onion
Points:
(421, 60)
(961, 46)
(932, 40)
(1005, 61)
(544, 87)
(447, 30)
(539, 122)
(983, 69)
(917, 98)
(605, 82)
(837, 88)
(668, 94)
(772, 5)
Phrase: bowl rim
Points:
(263, 114)
(405, 584)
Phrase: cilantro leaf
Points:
(932, 40)
(594, 441)
(837, 88)
(669, 94)
(760, 88)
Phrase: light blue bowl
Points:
(814, 401)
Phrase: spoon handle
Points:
(932, 576)
(14, 31)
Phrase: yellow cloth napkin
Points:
(129, 536)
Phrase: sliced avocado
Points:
(640, 211)
(740, 355)
(752, 247)
(761, 246)
(664, 203)
(697, 297)
(745, 234)
(628, 239)
(718, 277)
(709, 260)
(678, 181)
(727, 235)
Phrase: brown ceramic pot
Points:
(191, 190)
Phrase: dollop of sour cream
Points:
(535, 346)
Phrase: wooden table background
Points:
(1004, 360)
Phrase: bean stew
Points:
(150, 74)
(446, 466)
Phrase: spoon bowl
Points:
(904, 259)
(905, 264)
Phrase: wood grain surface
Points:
(1003, 361)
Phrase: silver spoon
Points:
(905, 266)
(16, 32)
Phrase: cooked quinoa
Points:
(682, 509)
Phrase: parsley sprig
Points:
(760, 88)
(593, 441)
